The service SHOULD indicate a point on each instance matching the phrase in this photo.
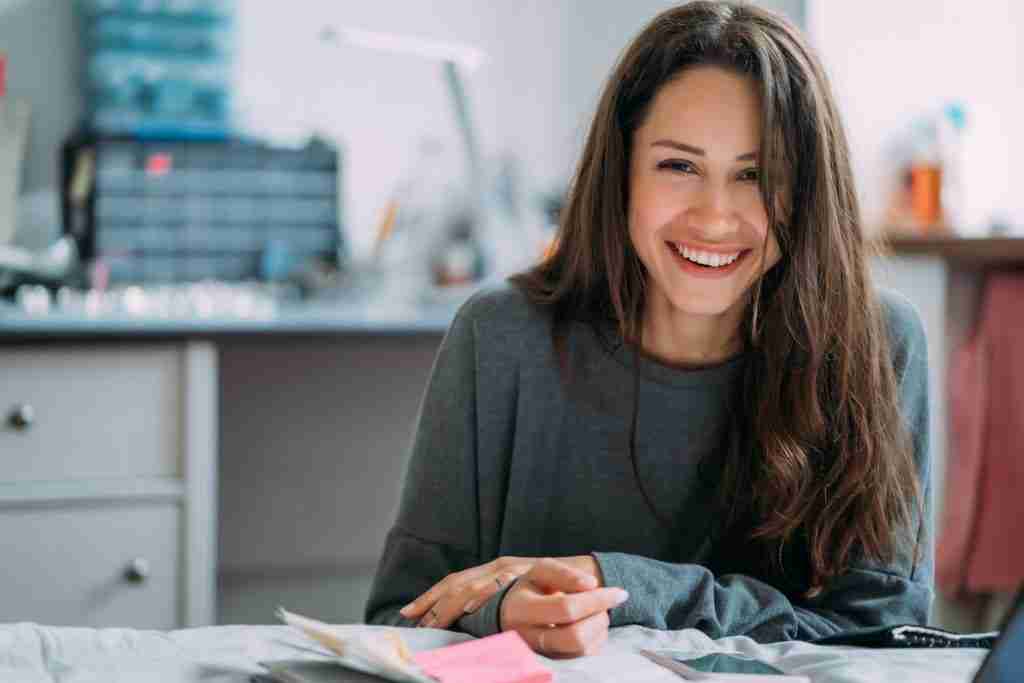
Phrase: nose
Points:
(713, 213)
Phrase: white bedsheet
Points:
(31, 653)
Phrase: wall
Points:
(891, 61)
(380, 105)
(41, 42)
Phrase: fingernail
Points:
(470, 607)
(406, 610)
(620, 596)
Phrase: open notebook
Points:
(376, 656)
(384, 655)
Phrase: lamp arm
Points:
(464, 123)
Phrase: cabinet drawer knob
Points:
(137, 570)
(21, 416)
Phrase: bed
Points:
(34, 653)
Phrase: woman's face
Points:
(696, 217)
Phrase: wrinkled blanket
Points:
(32, 653)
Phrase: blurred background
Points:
(232, 234)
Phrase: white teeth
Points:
(707, 258)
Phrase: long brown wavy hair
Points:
(818, 458)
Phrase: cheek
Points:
(651, 208)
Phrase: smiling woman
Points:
(697, 412)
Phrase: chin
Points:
(697, 304)
(692, 296)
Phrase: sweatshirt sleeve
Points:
(665, 595)
(436, 531)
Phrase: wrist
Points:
(499, 598)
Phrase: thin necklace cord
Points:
(667, 523)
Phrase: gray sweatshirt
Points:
(509, 460)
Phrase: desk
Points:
(276, 452)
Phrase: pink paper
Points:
(501, 658)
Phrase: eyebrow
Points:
(683, 147)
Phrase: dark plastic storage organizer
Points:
(179, 211)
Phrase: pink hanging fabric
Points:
(980, 546)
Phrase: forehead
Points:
(709, 107)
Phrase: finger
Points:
(441, 615)
(505, 567)
(419, 607)
(552, 575)
(572, 640)
(567, 608)
(454, 605)
(424, 602)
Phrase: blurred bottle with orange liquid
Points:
(928, 198)
(926, 178)
(926, 195)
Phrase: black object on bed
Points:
(908, 635)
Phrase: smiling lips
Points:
(710, 259)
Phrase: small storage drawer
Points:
(74, 412)
(95, 564)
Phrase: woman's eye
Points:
(677, 165)
(750, 174)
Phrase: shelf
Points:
(977, 251)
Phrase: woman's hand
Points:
(559, 610)
(463, 592)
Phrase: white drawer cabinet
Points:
(108, 484)
(93, 565)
